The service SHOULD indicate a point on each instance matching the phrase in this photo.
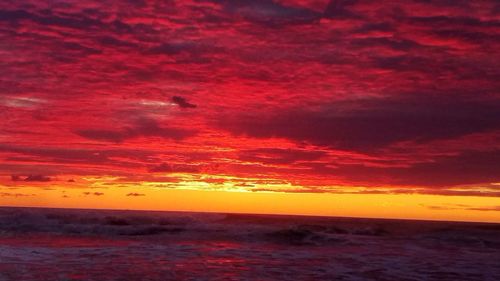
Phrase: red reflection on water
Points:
(223, 259)
(61, 241)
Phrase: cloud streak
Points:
(182, 102)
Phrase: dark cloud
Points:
(449, 207)
(135, 194)
(72, 22)
(162, 168)
(78, 49)
(15, 178)
(93, 193)
(453, 21)
(468, 36)
(269, 13)
(66, 155)
(171, 49)
(189, 47)
(143, 128)
(105, 135)
(373, 124)
(115, 42)
(279, 156)
(182, 102)
(80, 20)
(40, 178)
(466, 168)
(174, 168)
(465, 192)
(8, 194)
(485, 209)
(340, 9)
(469, 167)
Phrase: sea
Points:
(72, 244)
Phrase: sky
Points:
(346, 107)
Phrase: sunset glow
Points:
(328, 108)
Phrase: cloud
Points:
(449, 207)
(142, 128)
(465, 168)
(366, 125)
(22, 102)
(71, 157)
(182, 102)
(15, 178)
(279, 156)
(33, 178)
(8, 194)
(485, 209)
(87, 193)
(270, 13)
(172, 48)
(106, 135)
(174, 168)
(162, 168)
(79, 21)
(339, 9)
(135, 194)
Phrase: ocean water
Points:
(61, 244)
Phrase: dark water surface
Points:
(59, 244)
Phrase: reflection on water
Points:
(111, 245)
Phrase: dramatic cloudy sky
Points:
(301, 96)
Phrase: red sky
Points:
(300, 96)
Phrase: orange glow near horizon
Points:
(410, 206)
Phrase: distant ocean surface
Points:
(61, 244)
